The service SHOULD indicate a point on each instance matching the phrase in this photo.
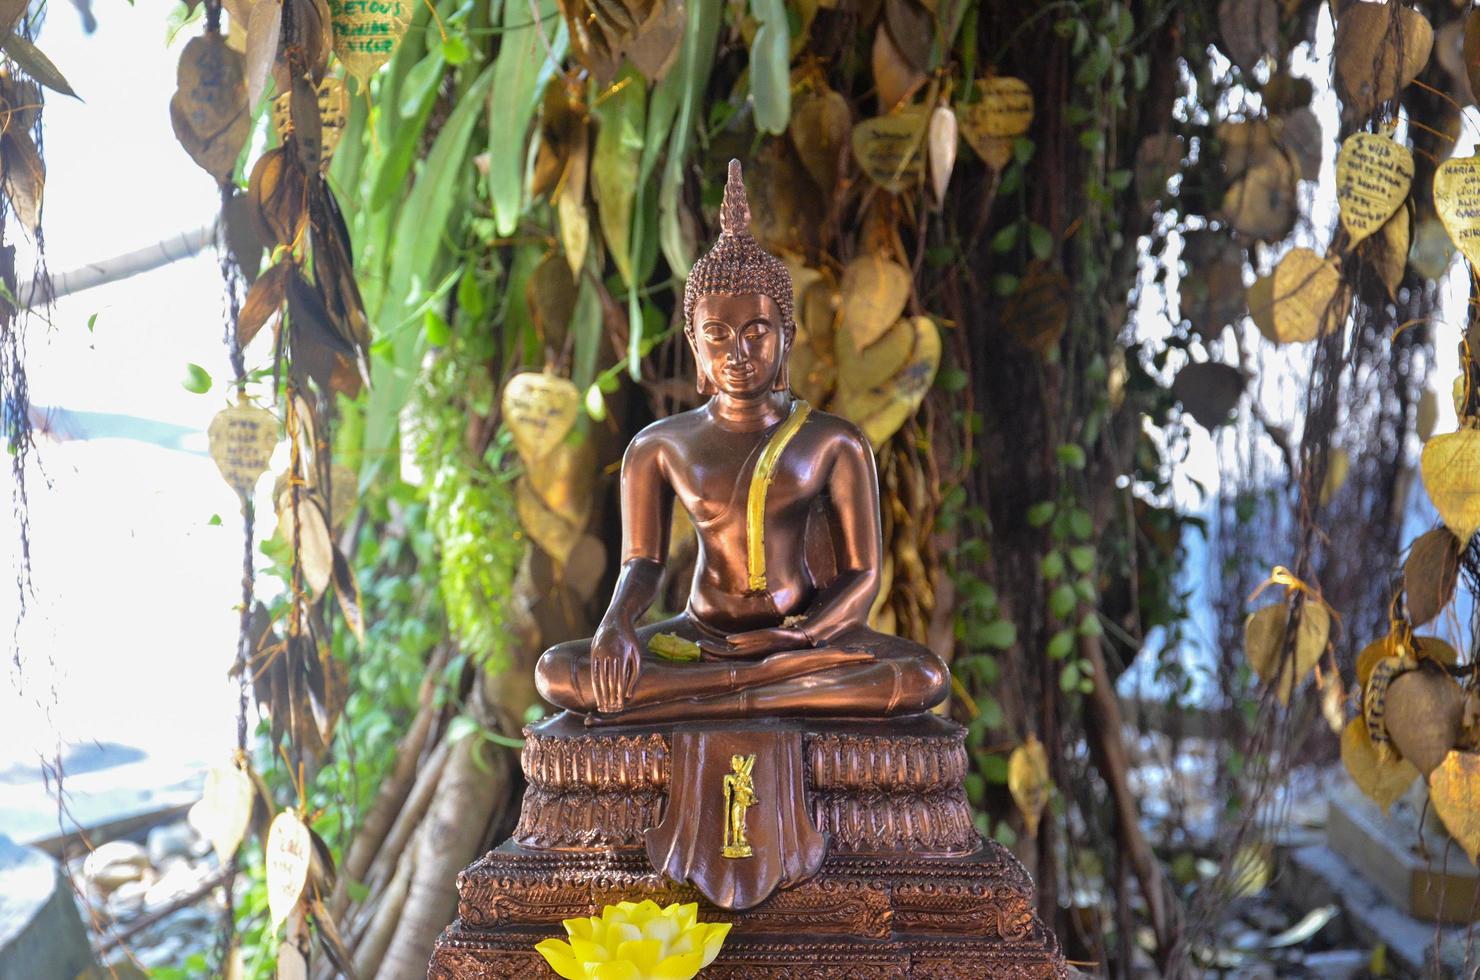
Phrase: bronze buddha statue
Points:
(785, 501)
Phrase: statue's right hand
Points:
(616, 660)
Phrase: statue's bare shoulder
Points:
(664, 441)
(835, 438)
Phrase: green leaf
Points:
(455, 49)
(35, 63)
(1080, 524)
(197, 379)
(519, 74)
(621, 115)
(770, 67)
(1052, 565)
(1041, 513)
(1061, 645)
(1071, 456)
(1062, 601)
(1005, 238)
(426, 221)
(695, 59)
(1040, 241)
(1000, 633)
(92, 321)
(421, 84)
(1069, 678)
(1082, 557)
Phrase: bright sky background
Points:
(132, 628)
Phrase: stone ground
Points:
(125, 883)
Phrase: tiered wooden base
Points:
(908, 888)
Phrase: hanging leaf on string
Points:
(820, 126)
(1303, 299)
(882, 410)
(209, 110)
(1262, 203)
(1037, 313)
(242, 439)
(1029, 782)
(1386, 253)
(1264, 645)
(1250, 30)
(366, 34)
(1457, 199)
(1450, 466)
(287, 855)
(1380, 48)
(1208, 391)
(1212, 290)
(31, 60)
(1373, 175)
(224, 811)
(540, 410)
(887, 148)
(331, 100)
(895, 79)
(1430, 574)
(1384, 780)
(874, 291)
(1421, 712)
(24, 178)
(1158, 159)
(1454, 789)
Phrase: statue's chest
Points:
(716, 486)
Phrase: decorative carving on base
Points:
(907, 889)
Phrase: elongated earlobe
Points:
(783, 376)
(702, 382)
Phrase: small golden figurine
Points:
(739, 797)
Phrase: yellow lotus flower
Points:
(636, 941)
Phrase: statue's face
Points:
(738, 343)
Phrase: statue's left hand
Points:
(758, 643)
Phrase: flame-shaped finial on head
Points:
(734, 213)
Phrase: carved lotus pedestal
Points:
(864, 862)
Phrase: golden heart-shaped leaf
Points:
(1386, 252)
(209, 110)
(1208, 391)
(1457, 199)
(1380, 48)
(1430, 574)
(1038, 313)
(1264, 646)
(1373, 176)
(1003, 108)
(242, 439)
(564, 478)
(860, 370)
(1250, 29)
(333, 99)
(819, 128)
(1385, 780)
(874, 291)
(888, 147)
(880, 411)
(540, 410)
(1029, 782)
(224, 810)
(1303, 299)
(287, 856)
(1454, 789)
(553, 533)
(1338, 466)
(1261, 203)
(366, 33)
(315, 542)
(1422, 714)
(1422, 647)
(1450, 465)
(895, 78)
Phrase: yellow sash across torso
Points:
(760, 483)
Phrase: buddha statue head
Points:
(737, 307)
